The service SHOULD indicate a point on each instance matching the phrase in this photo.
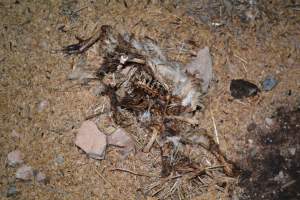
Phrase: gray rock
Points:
(269, 83)
(14, 158)
(98, 89)
(25, 173)
(59, 159)
(11, 191)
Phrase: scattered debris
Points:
(91, 140)
(59, 159)
(12, 191)
(269, 83)
(240, 88)
(25, 173)
(14, 158)
(121, 139)
(201, 67)
(157, 95)
(42, 105)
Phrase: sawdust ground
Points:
(31, 72)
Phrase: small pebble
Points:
(59, 159)
(11, 191)
(43, 105)
(14, 158)
(269, 83)
(40, 177)
(25, 173)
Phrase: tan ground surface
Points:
(30, 72)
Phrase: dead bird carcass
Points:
(160, 95)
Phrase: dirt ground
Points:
(246, 41)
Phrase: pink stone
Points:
(43, 105)
(14, 158)
(40, 177)
(25, 173)
(120, 138)
(91, 140)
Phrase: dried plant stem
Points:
(215, 129)
(132, 172)
(184, 119)
(151, 141)
(105, 180)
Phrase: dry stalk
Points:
(151, 141)
(132, 172)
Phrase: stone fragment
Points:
(42, 105)
(25, 173)
(91, 140)
(121, 139)
(59, 160)
(269, 83)
(14, 158)
(11, 191)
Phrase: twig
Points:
(80, 9)
(104, 178)
(137, 60)
(242, 59)
(171, 190)
(184, 119)
(93, 116)
(215, 128)
(132, 172)
(151, 141)
(288, 184)
(244, 66)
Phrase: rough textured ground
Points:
(248, 45)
